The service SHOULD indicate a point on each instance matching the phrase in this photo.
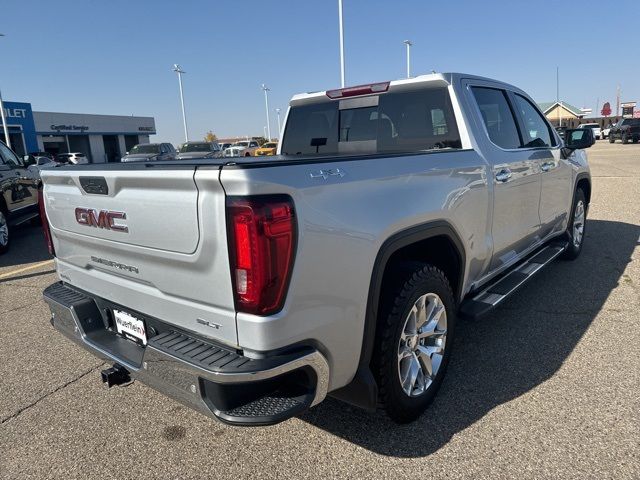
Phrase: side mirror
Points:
(579, 138)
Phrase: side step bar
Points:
(489, 297)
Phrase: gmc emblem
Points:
(101, 219)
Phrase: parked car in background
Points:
(43, 154)
(268, 148)
(18, 194)
(147, 152)
(625, 130)
(35, 163)
(224, 146)
(605, 132)
(42, 161)
(242, 149)
(595, 128)
(75, 158)
(561, 131)
(198, 150)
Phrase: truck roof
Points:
(441, 79)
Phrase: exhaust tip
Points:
(116, 375)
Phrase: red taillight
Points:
(359, 90)
(262, 240)
(45, 222)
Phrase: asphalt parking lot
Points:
(547, 386)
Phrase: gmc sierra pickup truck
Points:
(251, 288)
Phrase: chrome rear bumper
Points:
(214, 380)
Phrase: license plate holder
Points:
(130, 327)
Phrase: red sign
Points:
(606, 110)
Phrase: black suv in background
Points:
(626, 129)
(18, 194)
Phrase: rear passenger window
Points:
(414, 121)
(497, 117)
(536, 130)
(312, 130)
(401, 122)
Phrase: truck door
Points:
(515, 176)
(555, 178)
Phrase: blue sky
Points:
(115, 57)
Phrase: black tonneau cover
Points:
(244, 162)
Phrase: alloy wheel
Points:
(578, 223)
(422, 344)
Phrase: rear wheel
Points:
(625, 138)
(5, 232)
(611, 138)
(414, 342)
(576, 228)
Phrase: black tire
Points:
(625, 138)
(414, 282)
(611, 138)
(4, 243)
(573, 250)
(635, 139)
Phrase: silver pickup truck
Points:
(249, 289)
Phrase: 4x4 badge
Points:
(333, 172)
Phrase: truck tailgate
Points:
(153, 241)
(160, 207)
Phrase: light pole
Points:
(408, 44)
(178, 69)
(279, 127)
(558, 102)
(4, 120)
(341, 43)
(266, 89)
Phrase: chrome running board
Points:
(491, 296)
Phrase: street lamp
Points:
(2, 116)
(266, 89)
(341, 43)
(279, 127)
(408, 44)
(178, 69)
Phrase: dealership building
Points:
(102, 138)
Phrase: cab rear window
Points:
(394, 122)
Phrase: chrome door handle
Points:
(546, 166)
(503, 175)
